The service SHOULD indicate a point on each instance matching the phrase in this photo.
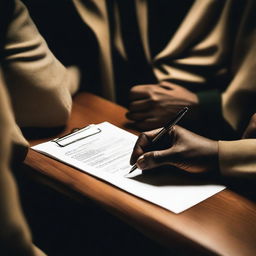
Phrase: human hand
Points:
(180, 148)
(250, 131)
(153, 105)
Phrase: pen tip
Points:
(134, 167)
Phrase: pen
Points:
(165, 129)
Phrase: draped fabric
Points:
(39, 85)
(238, 101)
(194, 43)
(15, 237)
(136, 70)
(193, 51)
(237, 158)
(35, 90)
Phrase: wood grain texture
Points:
(224, 224)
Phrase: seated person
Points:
(212, 111)
(136, 47)
(193, 153)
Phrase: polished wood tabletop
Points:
(224, 224)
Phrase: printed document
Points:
(104, 151)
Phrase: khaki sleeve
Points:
(15, 237)
(40, 86)
(238, 158)
(17, 137)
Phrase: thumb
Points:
(152, 160)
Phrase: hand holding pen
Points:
(147, 140)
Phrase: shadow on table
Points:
(165, 176)
(33, 133)
(244, 187)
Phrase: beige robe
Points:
(40, 93)
(15, 237)
(201, 42)
(40, 87)
(238, 158)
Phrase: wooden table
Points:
(224, 224)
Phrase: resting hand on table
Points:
(180, 148)
(153, 105)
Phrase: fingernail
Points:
(141, 163)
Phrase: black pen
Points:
(165, 129)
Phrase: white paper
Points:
(106, 155)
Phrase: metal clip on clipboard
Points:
(77, 134)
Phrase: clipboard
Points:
(77, 134)
(106, 156)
